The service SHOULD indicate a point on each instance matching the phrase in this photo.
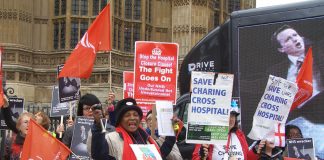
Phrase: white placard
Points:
(209, 110)
(164, 111)
(145, 151)
(273, 107)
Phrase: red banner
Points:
(156, 66)
(128, 84)
(145, 108)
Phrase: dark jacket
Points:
(276, 155)
(18, 140)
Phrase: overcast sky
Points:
(264, 3)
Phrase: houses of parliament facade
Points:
(38, 35)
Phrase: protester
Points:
(43, 119)
(238, 148)
(160, 139)
(293, 132)
(149, 123)
(128, 131)
(22, 125)
(84, 109)
(20, 129)
(110, 110)
(268, 151)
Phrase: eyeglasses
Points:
(87, 108)
(295, 135)
(93, 107)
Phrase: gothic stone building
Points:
(38, 35)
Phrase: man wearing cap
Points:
(236, 148)
(116, 145)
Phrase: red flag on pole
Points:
(304, 81)
(82, 58)
(39, 144)
(1, 76)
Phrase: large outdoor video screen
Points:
(260, 54)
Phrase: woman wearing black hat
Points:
(128, 131)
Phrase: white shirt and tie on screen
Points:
(294, 68)
(292, 44)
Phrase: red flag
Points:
(1, 89)
(82, 58)
(304, 81)
(39, 144)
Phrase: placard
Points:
(82, 127)
(273, 107)
(156, 66)
(164, 113)
(60, 109)
(69, 88)
(145, 152)
(209, 110)
(128, 84)
(17, 107)
(301, 148)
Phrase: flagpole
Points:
(109, 71)
(76, 156)
(110, 80)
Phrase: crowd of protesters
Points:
(127, 129)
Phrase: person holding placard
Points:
(236, 147)
(85, 108)
(267, 150)
(292, 132)
(128, 132)
(20, 129)
(161, 139)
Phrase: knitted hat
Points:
(125, 105)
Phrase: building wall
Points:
(38, 35)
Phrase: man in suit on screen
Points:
(308, 115)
